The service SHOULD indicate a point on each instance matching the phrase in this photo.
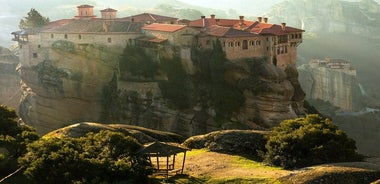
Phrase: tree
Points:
(14, 137)
(308, 141)
(33, 20)
(104, 157)
(136, 61)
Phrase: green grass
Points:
(243, 162)
(242, 181)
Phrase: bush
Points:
(14, 138)
(104, 157)
(136, 61)
(308, 141)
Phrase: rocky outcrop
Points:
(330, 16)
(65, 87)
(10, 90)
(75, 84)
(249, 142)
(336, 86)
(143, 135)
(272, 95)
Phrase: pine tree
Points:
(33, 20)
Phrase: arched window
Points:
(65, 36)
(245, 44)
(230, 44)
(79, 37)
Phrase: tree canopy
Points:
(14, 138)
(308, 141)
(104, 157)
(33, 20)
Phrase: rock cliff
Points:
(65, 87)
(331, 16)
(337, 86)
(10, 90)
(88, 83)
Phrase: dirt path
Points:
(218, 165)
(212, 164)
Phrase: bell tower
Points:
(85, 12)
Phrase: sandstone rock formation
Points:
(77, 84)
(65, 87)
(337, 86)
(330, 16)
(10, 90)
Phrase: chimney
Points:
(212, 17)
(259, 19)
(283, 25)
(203, 17)
(265, 19)
(241, 18)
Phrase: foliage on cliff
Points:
(308, 141)
(13, 137)
(95, 158)
(212, 86)
(178, 87)
(33, 20)
(136, 61)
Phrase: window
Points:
(52, 36)
(35, 55)
(245, 44)
(283, 39)
(286, 49)
(20, 46)
(267, 48)
(267, 39)
(258, 42)
(65, 36)
(39, 46)
(208, 42)
(224, 44)
(79, 37)
(237, 44)
(230, 44)
(109, 40)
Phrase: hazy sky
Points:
(13, 10)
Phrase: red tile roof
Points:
(210, 21)
(221, 31)
(85, 6)
(108, 10)
(91, 26)
(145, 17)
(249, 26)
(163, 27)
(272, 29)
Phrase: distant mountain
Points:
(330, 16)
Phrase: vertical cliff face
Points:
(337, 86)
(10, 91)
(332, 16)
(64, 86)
(87, 83)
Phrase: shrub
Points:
(104, 157)
(307, 141)
(14, 138)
